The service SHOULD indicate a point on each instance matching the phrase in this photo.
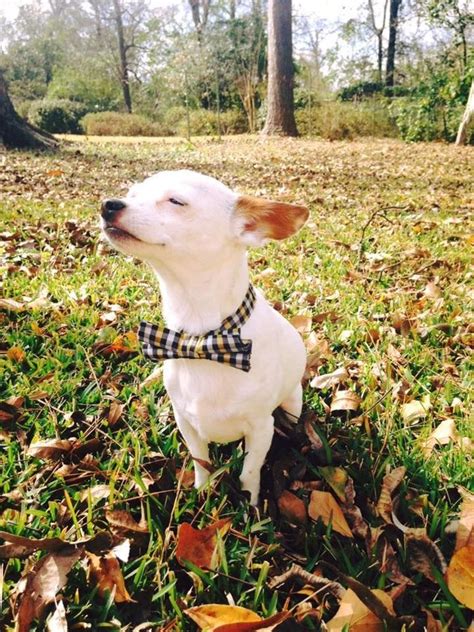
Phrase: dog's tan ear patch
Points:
(268, 219)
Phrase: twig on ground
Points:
(296, 572)
(372, 216)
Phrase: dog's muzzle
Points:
(110, 208)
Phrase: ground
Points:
(378, 282)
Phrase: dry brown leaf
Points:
(58, 622)
(390, 483)
(460, 575)
(432, 290)
(105, 570)
(414, 410)
(323, 506)
(16, 354)
(422, 553)
(354, 616)
(345, 401)
(292, 508)
(302, 323)
(224, 618)
(352, 513)
(50, 449)
(210, 616)
(39, 587)
(199, 546)
(20, 546)
(466, 520)
(10, 305)
(123, 521)
(329, 379)
(442, 435)
(114, 413)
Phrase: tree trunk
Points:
(200, 19)
(124, 78)
(467, 118)
(16, 132)
(392, 42)
(280, 114)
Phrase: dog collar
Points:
(223, 344)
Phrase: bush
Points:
(174, 121)
(205, 122)
(57, 116)
(118, 124)
(337, 121)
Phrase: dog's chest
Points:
(217, 400)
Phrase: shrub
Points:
(337, 121)
(118, 124)
(205, 122)
(57, 116)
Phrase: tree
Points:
(378, 31)
(200, 19)
(16, 132)
(467, 118)
(280, 114)
(392, 42)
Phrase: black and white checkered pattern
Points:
(220, 345)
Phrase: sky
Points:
(326, 9)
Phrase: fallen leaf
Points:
(20, 546)
(354, 616)
(123, 524)
(39, 587)
(345, 401)
(224, 618)
(292, 508)
(442, 435)
(199, 546)
(389, 484)
(324, 506)
(302, 323)
(414, 410)
(422, 553)
(50, 449)
(466, 520)
(329, 379)
(58, 622)
(105, 570)
(460, 575)
(16, 354)
(352, 513)
(336, 477)
(432, 290)
(10, 305)
(114, 413)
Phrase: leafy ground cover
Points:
(368, 492)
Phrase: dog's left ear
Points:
(257, 220)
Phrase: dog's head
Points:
(187, 216)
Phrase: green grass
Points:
(50, 205)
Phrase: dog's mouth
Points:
(114, 232)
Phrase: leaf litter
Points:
(377, 376)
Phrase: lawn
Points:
(379, 284)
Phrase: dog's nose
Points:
(110, 207)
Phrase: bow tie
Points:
(220, 345)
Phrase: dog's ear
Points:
(257, 219)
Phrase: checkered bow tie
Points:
(221, 345)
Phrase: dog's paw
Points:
(249, 484)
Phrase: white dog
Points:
(193, 231)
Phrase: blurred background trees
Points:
(399, 68)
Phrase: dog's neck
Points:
(197, 301)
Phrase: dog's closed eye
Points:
(175, 201)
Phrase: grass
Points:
(394, 279)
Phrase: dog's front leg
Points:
(257, 444)
(197, 446)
